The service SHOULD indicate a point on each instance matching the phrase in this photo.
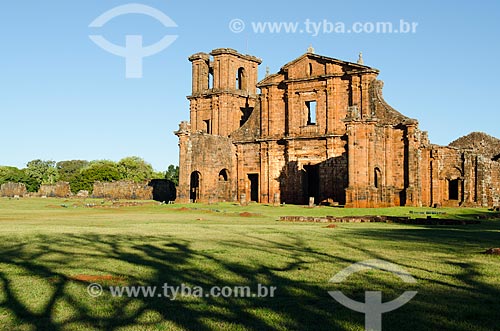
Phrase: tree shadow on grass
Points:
(140, 260)
(298, 304)
(456, 295)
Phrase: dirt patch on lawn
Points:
(247, 214)
(98, 278)
(53, 206)
(493, 251)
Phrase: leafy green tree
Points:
(135, 168)
(10, 174)
(15, 175)
(101, 170)
(69, 169)
(43, 172)
(172, 174)
(31, 183)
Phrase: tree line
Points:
(82, 174)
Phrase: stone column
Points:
(184, 134)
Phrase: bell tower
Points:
(224, 90)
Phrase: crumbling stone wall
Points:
(13, 189)
(156, 189)
(208, 173)
(123, 190)
(58, 190)
(495, 183)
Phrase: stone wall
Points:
(123, 190)
(58, 190)
(208, 173)
(13, 189)
(157, 189)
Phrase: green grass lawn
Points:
(51, 250)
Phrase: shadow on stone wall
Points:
(325, 181)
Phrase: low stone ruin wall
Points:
(57, 190)
(378, 219)
(123, 190)
(162, 190)
(13, 189)
(157, 189)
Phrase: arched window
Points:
(377, 178)
(223, 175)
(310, 69)
(241, 83)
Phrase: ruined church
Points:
(319, 128)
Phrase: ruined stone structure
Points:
(13, 189)
(57, 190)
(156, 189)
(122, 189)
(318, 128)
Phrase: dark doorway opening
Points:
(377, 177)
(311, 182)
(453, 189)
(402, 198)
(208, 128)
(254, 187)
(194, 192)
(163, 190)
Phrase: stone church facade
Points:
(319, 128)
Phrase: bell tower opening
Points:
(210, 79)
(241, 83)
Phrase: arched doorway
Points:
(195, 191)
(224, 186)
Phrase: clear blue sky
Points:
(62, 97)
